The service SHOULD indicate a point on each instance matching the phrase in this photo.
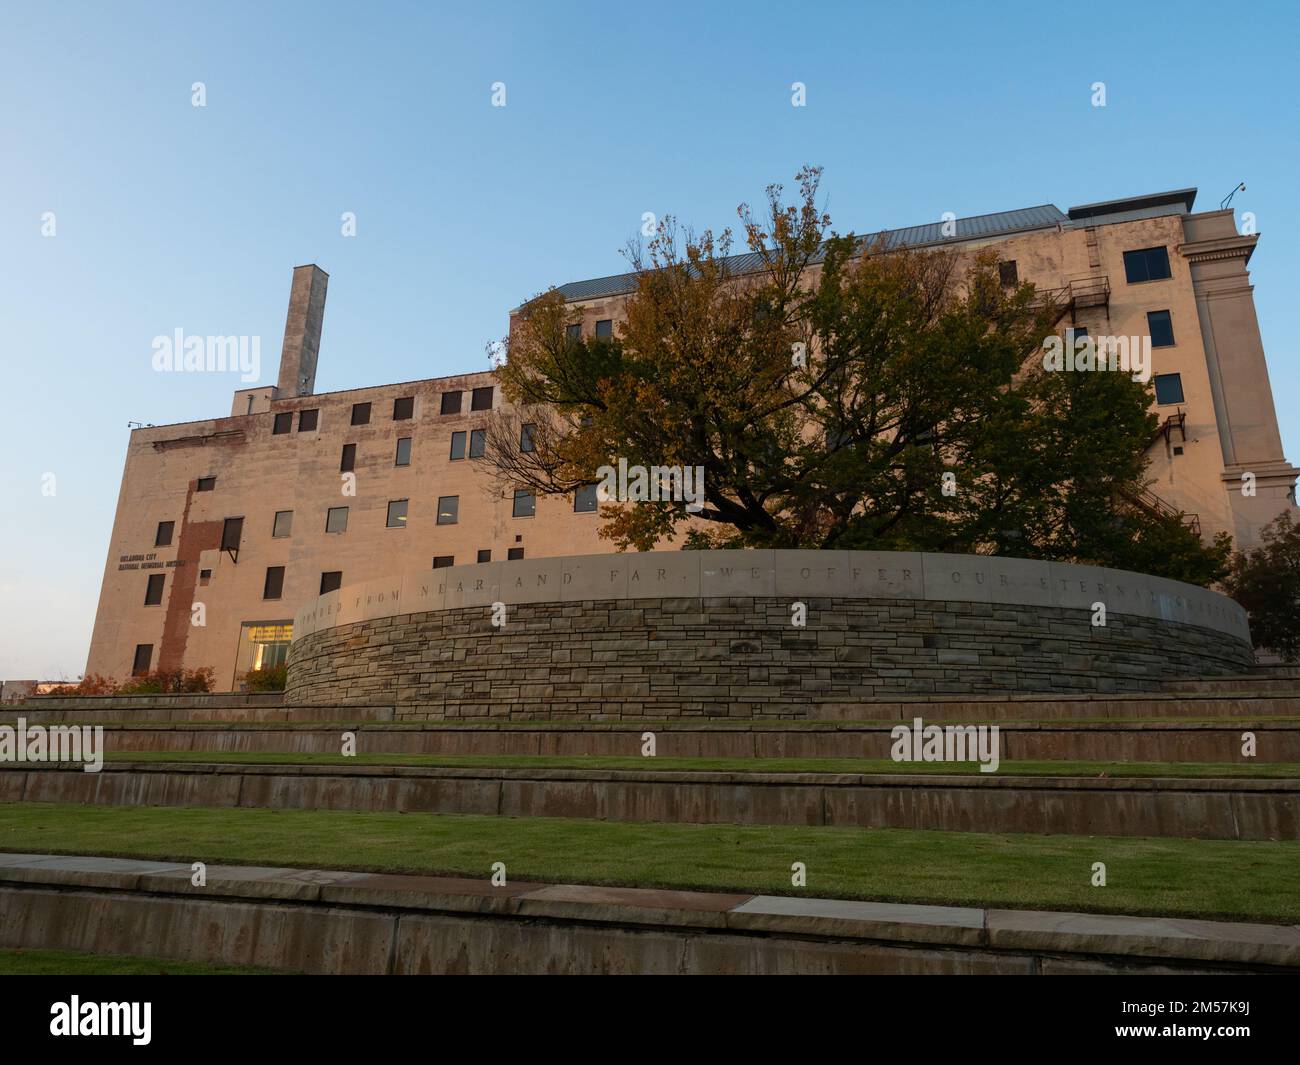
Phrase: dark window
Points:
(481, 399)
(1079, 332)
(525, 504)
(403, 452)
(457, 445)
(397, 514)
(573, 331)
(153, 591)
(448, 510)
(331, 581)
(143, 656)
(526, 438)
(1169, 388)
(231, 534)
(274, 586)
(1146, 264)
(205, 574)
(1007, 274)
(584, 499)
(514, 553)
(207, 484)
(336, 520)
(450, 403)
(349, 460)
(477, 443)
(1161, 328)
(443, 561)
(307, 420)
(403, 408)
(164, 536)
(1178, 450)
(360, 413)
(283, 524)
(485, 556)
(283, 423)
(605, 329)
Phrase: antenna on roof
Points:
(1223, 203)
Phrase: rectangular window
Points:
(1161, 328)
(573, 331)
(283, 423)
(584, 499)
(450, 403)
(457, 445)
(403, 408)
(164, 535)
(526, 438)
(360, 413)
(605, 329)
(525, 504)
(307, 420)
(403, 452)
(207, 484)
(448, 510)
(477, 443)
(273, 588)
(143, 656)
(443, 561)
(349, 460)
(1169, 387)
(153, 591)
(336, 520)
(232, 532)
(485, 556)
(397, 514)
(283, 524)
(331, 581)
(1146, 264)
(1008, 275)
(514, 553)
(205, 574)
(481, 399)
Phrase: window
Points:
(397, 514)
(484, 556)
(164, 535)
(336, 520)
(514, 553)
(331, 581)
(205, 574)
(584, 499)
(231, 534)
(1078, 332)
(477, 443)
(360, 413)
(274, 585)
(143, 656)
(1161, 328)
(450, 403)
(448, 510)
(207, 484)
(403, 408)
(525, 504)
(1169, 388)
(153, 591)
(481, 399)
(605, 329)
(573, 331)
(307, 420)
(403, 452)
(283, 423)
(457, 445)
(283, 524)
(1008, 275)
(1146, 264)
(526, 438)
(349, 460)
(443, 561)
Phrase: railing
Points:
(1147, 500)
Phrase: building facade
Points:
(224, 527)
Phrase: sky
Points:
(168, 215)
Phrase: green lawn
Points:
(74, 963)
(1256, 881)
(1279, 770)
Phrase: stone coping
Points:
(1173, 938)
(788, 575)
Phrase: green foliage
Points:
(271, 679)
(1266, 581)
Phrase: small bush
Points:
(271, 679)
(92, 684)
(1266, 581)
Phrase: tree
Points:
(1266, 581)
(837, 393)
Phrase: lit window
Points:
(397, 514)
(448, 510)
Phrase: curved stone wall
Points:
(711, 633)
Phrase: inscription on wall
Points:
(147, 561)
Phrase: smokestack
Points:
(302, 327)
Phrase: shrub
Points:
(92, 684)
(1266, 581)
(271, 679)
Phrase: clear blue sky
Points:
(174, 216)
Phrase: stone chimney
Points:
(302, 327)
